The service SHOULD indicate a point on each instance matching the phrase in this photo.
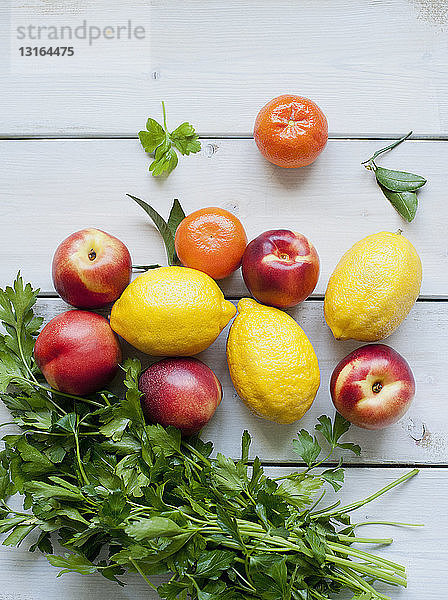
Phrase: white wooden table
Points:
(69, 154)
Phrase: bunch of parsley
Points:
(124, 496)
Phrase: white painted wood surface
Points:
(26, 576)
(376, 67)
(420, 437)
(51, 188)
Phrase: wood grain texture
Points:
(51, 188)
(26, 576)
(420, 437)
(376, 68)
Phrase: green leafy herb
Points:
(307, 447)
(167, 229)
(122, 496)
(399, 187)
(158, 141)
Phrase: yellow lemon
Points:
(272, 363)
(373, 287)
(171, 311)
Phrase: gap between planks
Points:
(329, 465)
(220, 136)
(317, 297)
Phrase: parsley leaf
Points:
(307, 447)
(300, 490)
(153, 136)
(211, 564)
(158, 141)
(335, 477)
(72, 563)
(333, 432)
(147, 529)
(21, 326)
(226, 476)
(185, 139)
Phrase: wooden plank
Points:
(51, 188)
(420, 436)
(376, 68)
(26, 576)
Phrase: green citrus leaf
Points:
(163, 227)
(405, 203)
(177, 215)
(399, 181)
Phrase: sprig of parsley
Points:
(21, 327)
(310, 449)
(157, 140)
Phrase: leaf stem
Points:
(145, 267)
(63, 394)
(164, 117)
(196, 453)
(359, 540)
(320, 461)
(142, 574)
(371, 160)
(387, 523)
(363, 568)
(364, 584)
(22, 356)
(78, 455)
(355, 505)
(350, 551)
(243, 578)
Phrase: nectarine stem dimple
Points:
(377, 387)
(92, 254)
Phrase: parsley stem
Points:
(42, 432)
(320, 498)
(363, 568)
(106, 400)
(355, 505)
(327, 508)
(358, 540)
(363, 584)
(142, 574)
(196, 453)
(388, 523)
(164, 117)
(243, 578)
(320, 462)
(63, 394)
(19, 331)
(350, 551)
(78, 454)
(145, 267)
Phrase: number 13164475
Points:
(46, 51)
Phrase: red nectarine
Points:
(373, 386)
(182, 392)
(77, 352)
(91, 268)
(280, 268)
